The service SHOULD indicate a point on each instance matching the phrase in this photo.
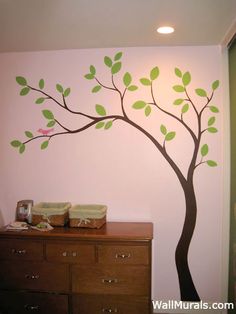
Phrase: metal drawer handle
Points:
(110, 310)
(123, 255)
(19, 252)
(109, 280)
(65, 254)
(32, 307)
(34, 277)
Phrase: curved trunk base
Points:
(188, 291)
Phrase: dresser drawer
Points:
(21, 249)
(34, 276)
(92, 304)
(25, 303)
(123, 254)
(111, 280)
(70, 253)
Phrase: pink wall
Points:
(119, 166)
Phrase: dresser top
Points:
(110, 231)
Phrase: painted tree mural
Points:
(104, 121)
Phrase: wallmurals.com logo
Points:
(181, 305)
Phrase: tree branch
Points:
(172, 115)
(191, 102)
(208, 101)
(64, 102)
(104, 86)
(68, 131)
(47, 95)
(64, 105)
(62, 126)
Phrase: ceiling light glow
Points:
(165, 30)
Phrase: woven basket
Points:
(87, 216)
(56, 214)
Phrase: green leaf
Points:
(116, 67)
(211, 163)
(132, 88)
(41, 84)
(178, 101)
(59, 88)
(96, 88)
(215, 85)
(22, 149)
(51, 123)
(163, 129)
(178, 72)
(154, 73)
(204, 150)
(44, 144)
(140, 104)
(48, 114)
(211, 121)
(21, 80)
(118, 56)
(89, 76)
(214, 109)
(145, 81)
(40, 100)
(148, 110)
(24, 91)
(108, 125)
(201, 92)
(169, 136)
(108, 61)
(66, 92)
(92, 70)
(16, 143)
(127, 79)
(186, 79)
(185, 108)
(179, 88)
(100, 125)
(212, 130)
(29, 134)
(100, 110)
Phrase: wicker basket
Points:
(87, 216)
(56, 214)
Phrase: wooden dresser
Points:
(77, 271)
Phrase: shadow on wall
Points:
(1, 220)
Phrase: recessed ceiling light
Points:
(165, 30)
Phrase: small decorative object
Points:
(87, 216)
(17, 226)
(23, 210)
(56, 214)
(42, 226)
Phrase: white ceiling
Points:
(29, 25)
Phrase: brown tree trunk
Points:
(187, 288)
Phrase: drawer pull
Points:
(109, 280)
(32, 307)
(34, 277)
(123, 255)
(109, 310)
(73, 254)
(18, 252)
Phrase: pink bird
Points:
(45, 132)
